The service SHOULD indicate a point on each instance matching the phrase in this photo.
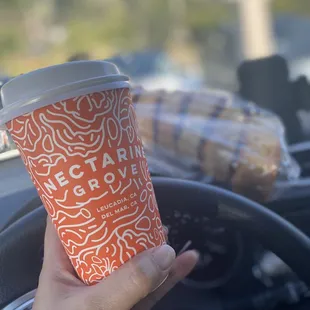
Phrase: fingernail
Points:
(196, 253)
(164, 257)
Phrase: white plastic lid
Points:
(31, 89)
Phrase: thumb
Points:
(126, 286)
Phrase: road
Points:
(16, 188)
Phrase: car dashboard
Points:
(234, 270)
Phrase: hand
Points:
(129, 287)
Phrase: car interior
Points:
(254, 253)
(252, 256)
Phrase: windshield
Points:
(255, 50)
(153, 37)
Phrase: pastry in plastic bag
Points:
(229, 140)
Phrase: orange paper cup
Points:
(86, 159)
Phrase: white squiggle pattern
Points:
(63, 146)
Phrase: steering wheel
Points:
(21, 244)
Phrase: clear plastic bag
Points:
(216, 137)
